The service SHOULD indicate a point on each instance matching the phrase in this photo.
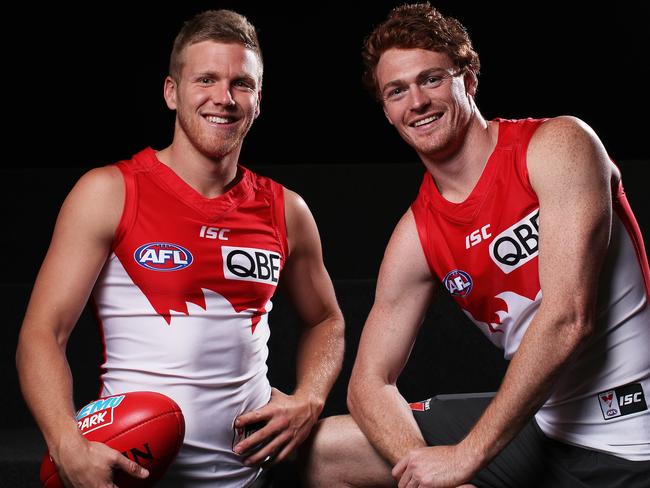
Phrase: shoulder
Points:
(106, 179)
(301, 226)
(97, 199)
(562, 146)
(294, 203)
(563, 136)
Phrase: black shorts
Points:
(531, 459)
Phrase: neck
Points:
(457, 171)
(210, 177)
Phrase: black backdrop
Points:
(86, 89)
(86, 82)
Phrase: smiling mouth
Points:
(214, 119)
(426, 121)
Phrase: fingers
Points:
(274, 426)
(269, 450)
(400, 467)
(125, 464)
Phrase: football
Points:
(145, 426)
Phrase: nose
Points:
(418, 99)
(222, 95)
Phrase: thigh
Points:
(576, 466)
(338, 454)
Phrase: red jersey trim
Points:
(129, 210)
(624, 212)
(279, 216)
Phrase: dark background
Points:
(85, 89)
(87, 82)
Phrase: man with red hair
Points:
(569, 309)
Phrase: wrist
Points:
(315, 402)
(473, 454)
(66, 439)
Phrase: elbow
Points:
(353, 392)
(581, 330)
(574, 332)
(360, 387)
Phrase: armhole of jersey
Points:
(279, 217)
(418, 208)
(130, 206)
(524, 136)
(624, 212)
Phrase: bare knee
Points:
(339, 455)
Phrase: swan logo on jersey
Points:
(163, 256)
(251, 264)
(623, 400)
(97, 414)
(458, 283)
(516, 245)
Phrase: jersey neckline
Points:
(466, 210)
(211, 207)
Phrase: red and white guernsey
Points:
(183, 302)
(484, 250)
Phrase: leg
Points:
(338, 455)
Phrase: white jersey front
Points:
(485, 252)
(183, 302)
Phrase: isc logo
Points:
(162, 256)
(623, 400)
(516, 245)
(250, 264)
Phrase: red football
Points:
(145, 426)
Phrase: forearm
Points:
(385, 418)
(543, 353)
(46, 383)
(319, 359)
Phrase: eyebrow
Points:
(421, 76)
(242, 75)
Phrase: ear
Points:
(259, 101)
(471, 83)
(386, 114)
(169, 92)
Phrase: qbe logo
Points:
(162, 256)
(623, 400)
(518, 244)
(458, 283)
(251, 264)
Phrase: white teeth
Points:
(217, 120)
(426, 121)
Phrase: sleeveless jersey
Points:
(485, 252)
(183, 302)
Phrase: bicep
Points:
(405, 288)
(79, 247)
(304, 277)
(570, 172)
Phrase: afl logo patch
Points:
(163, 256)
(458, 283)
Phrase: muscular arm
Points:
(570, 172)
(77, 252)
(320, 350)
(404, 290)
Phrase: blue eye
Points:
(433, 80)
(395, 93)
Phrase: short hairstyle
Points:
(214, 25)
(421, 26)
